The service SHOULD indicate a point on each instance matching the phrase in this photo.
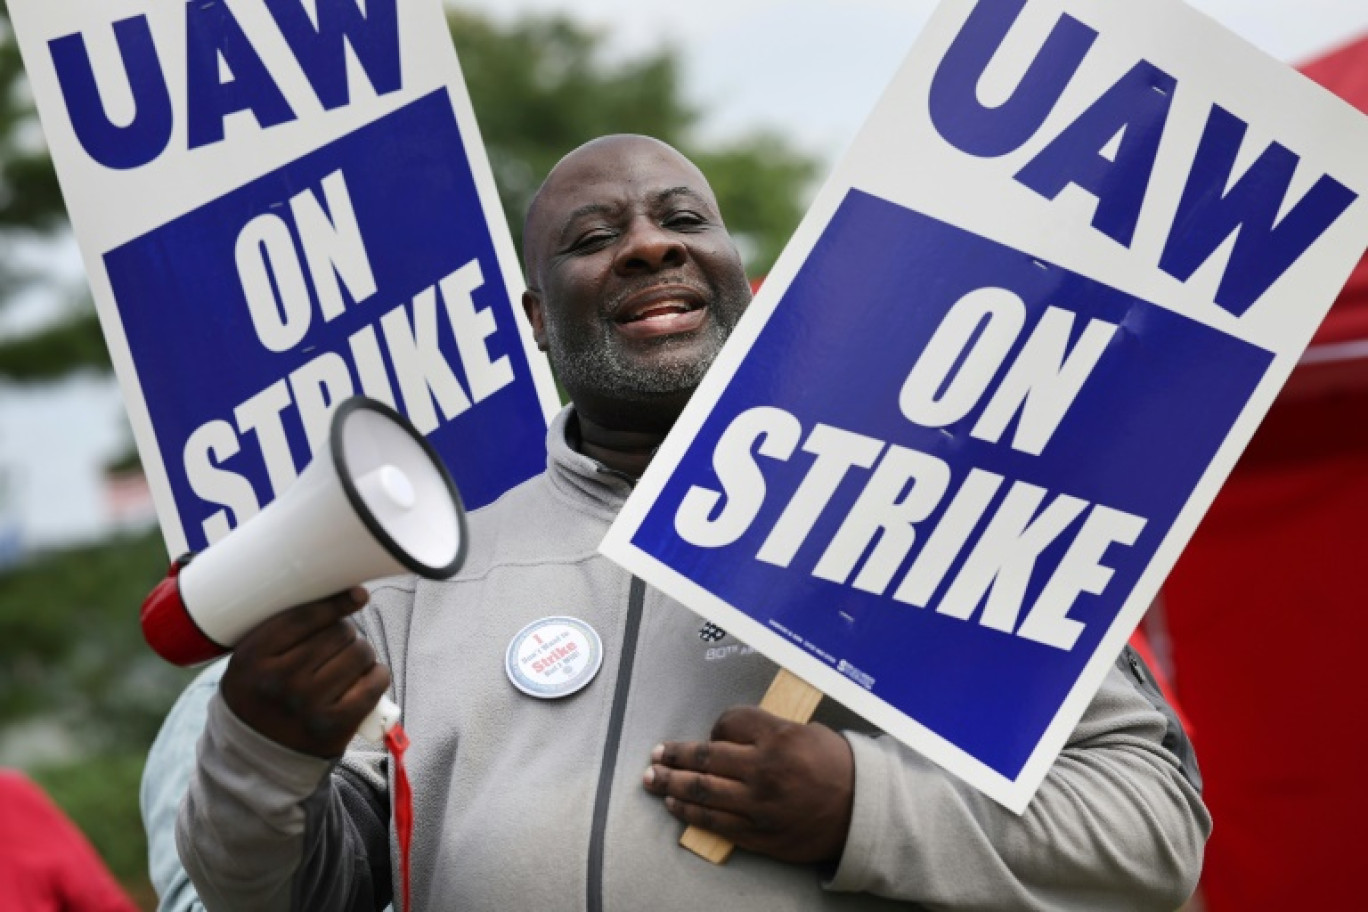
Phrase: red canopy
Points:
(1265, 612)
(1338, 356)
(1345, 72)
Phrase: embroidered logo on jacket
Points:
(711, 633)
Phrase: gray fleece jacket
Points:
(522, 803)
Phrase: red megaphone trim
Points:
(168, 627)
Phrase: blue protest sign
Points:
(418, 326)
(850, 487)
(296, 209)
(969, 422)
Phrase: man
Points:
(576, 801)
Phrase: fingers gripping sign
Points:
(305, 678)
(770, 786)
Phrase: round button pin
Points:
(554, 657)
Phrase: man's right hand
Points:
(305, 678)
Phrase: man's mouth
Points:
(661, 310)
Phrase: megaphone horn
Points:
(374, 502)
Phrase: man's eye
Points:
(591, 240)
(685, 220)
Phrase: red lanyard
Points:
(396, 739)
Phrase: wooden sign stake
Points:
(789, 697)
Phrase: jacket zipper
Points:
(636, 600)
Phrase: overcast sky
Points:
(814, 68)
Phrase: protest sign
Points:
(281, 203)
(979, 406)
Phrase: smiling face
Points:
(634, 282)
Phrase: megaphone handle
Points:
(380, 720)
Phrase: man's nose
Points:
(648, 247)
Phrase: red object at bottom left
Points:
(46, 864)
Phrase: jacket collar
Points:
(585, 481)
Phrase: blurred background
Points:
(1257, 626)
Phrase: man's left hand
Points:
(773, 787)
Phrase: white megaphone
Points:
(374, 502)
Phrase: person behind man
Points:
(46, 862)
(576, 802)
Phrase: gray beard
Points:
(595, 361)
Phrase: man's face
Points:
(634, 281)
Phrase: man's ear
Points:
(532, 306)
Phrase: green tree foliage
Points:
(541, 86)
(759, 182)
(30, 201)
(72, 344)
(29, 196)
(100, 795)
(31, 207)
(71, 647)
(72, 654)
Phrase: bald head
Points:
(633, 281)
(617, 158)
